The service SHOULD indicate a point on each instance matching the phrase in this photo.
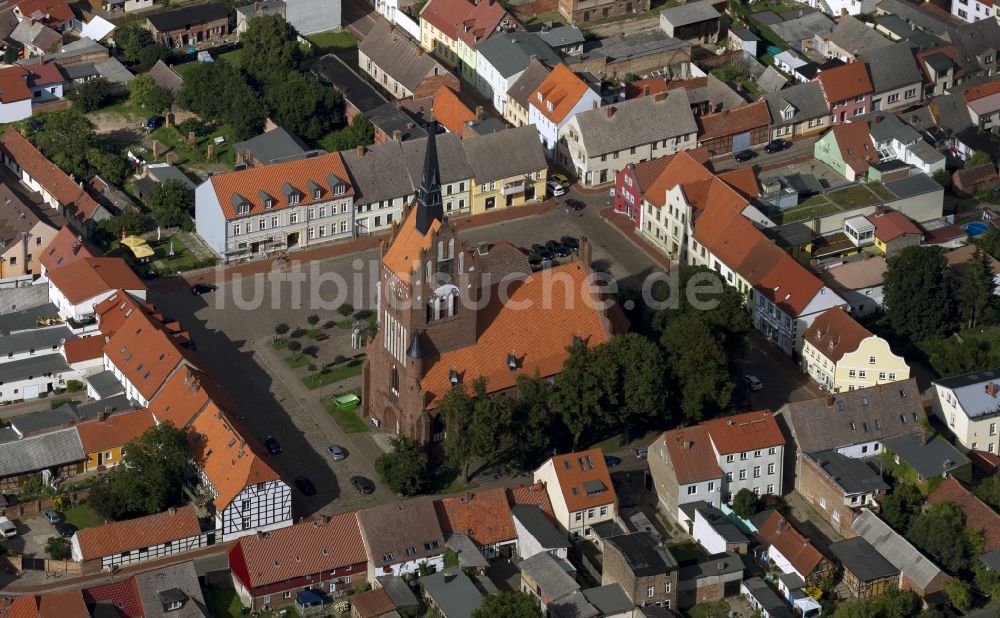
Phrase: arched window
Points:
(395, 381)
(451, 249)
(441, 254)
(427, 271)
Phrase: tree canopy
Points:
(580, 391)
(144, 92)
(976, 289)
(697, 365)
(900, 505)
(91, 94)
(404, 469)
(217, 91)
(270, 49)
(172, 204)
(918, 294)
(478, 424)
(303, 105)
(359, 132)
(745, 503)
(940, 531)
(138, 45)
(67, 138)
(508, 605)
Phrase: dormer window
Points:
(339, 190)
(539, 97)
(787, 113)
(268, 203)
(240, 204)
(548, 105)
(317, 194)
(291, 194)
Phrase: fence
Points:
(18, 511)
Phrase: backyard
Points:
(225, 603)
(848, 198)
(338, 42)
(173, 141)
(82, 516)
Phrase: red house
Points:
(326, 555)
(632, 181)
(848, 91)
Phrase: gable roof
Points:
(644, 555)
(892, 224)
(395, 533)
(407, 244)
(311, 547)
(398, 55)
(806, 100)
(147, 352)
(805, 27)
(470, 22)
(782, 536)
(914, 565)
(928, 458)
(121, 536)
(972, 390)
(893, 67)
(83, 279)
(528, 82)
(64, 248)
(511, 52)
(583, 479)
(729, 122)
(272, 146)
(690, 13)
(691, 455)
(47, 450)
(859, 557)
(840, 420)
(643, 120)
(449, 110)
(483, 516)
(834, 333)
(978, 515)
(180, 582)
(853, 476)
(558, 93)
(83, 349)
(53, 12)
(745, 432)
(165, 77)
(123, 594)
(854, 37)
(679, 169)
(187, 16)
(845, 82)
(57, 604)
(117, 429)
(226, 457)
(186, 394)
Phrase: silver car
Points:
(337, 451)
(52, 516)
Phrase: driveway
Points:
(32, 534)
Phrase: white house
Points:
(895, 139)
(78, 287)
(558, 99)
(859, 282)
(23, 86)
(749, 448)
(969, 405)
(502, 58)
(972, 10)
(124, 543)
(580, 490)
(536, 534)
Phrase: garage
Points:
(30, 392)
(741, 141)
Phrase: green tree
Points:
(729, 319)
(149, 479)
(270, 49)
(66, 137)
(218, 91)
(975, 289)
(111, 166)
(940, 531)
(313, 320)
(295, 347)
(172, 204)
(634, 371)
(12, 52)
(745, 503)
(144, 92)
(990, 241)
(58, 548)
(303, 105)
(943, 178)
(138, 45)
(478, 424)
(918, 295)
(531, 434)
(580, 391)
(697, 366)
(989, 491)
(404, 469)
(91, 94)
(978, 158)
(457, 408)
(108, 230)
(360, 132)
(899, 506)
(896, 604)
(853, 608)
(281, 328)
(508, 605)
(959, 593)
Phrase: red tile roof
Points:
(732, 121)
(147, 352)
(115, 309)
(562, 90)
(123, 536)
(42, 74)
(66, 247)
(124, 594)
(892, 224)
(473, 23)
(63, 604)
(83, 349)
(53, 12)
(81, 280)
(188, 393)
(575, 470)
(744, 180)
(311, 547)
(681, 170)
(116, 430)
(647, 172)
(845, 82)
(780, 534)
(483, 516)
(745, 432)
(304, 176)
(788, 284)
(978, 515)
(12, 85)
(372, 603)
(691, 455)
(979, 92)
(449, 110)
(55, 181)
(530, 495)
(834, 333)
(656, 85)
(856, 146)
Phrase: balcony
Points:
(513, 188)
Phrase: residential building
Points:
(840, 354)
(557, 100)
(129, 542)
(65, 247)
(508, 168)
(639, 53)
(749, 449)
(958, 260)
(838, 487)
(104, 438)
(764, 600)
(849, 150)
(788, 550)
(707, 94)
(55, 14)
(258, 9)
(54, 604)
(866, 573)
(894, 231)
(566, 40)
(975, 47)
(26, 234)
(272, 146)
(695, 22)
(847, 90)
(453, 29)
(684, 468)
(713, 530)
(501, 59)
(917, 572)
(743, 38)
(536, 533)
(275, 207)
(484, 517)
(972, 10)
(27, 86)
(932, 22)
(56, 454)
(77, 287)
(710, 579)
(547, 579)
(852, 39)
(451, 593)
(327, 554)
(516, 103)
(801, 32)
(928, 457)
(600, 142)
(580, 491)
(734, 130)
(643, 567)
(397, 64)
(797, 110)
(170, 589)
(896, 79)
(895, 138)
(359, 96)
(968, 405)
(983, 103)
(189, 26)
(576, 11)
(398, 538)
(859, 282)
(979, 516)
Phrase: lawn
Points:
(175, 142)
(82, 516)
(181, 260)
(848, 198)
(334, 374)
(688, 550)
(297, 360)
(234, 57)
(225, 603)
(348, 420)
(332, 41)
(280, 344)
(814, 207)
(184, 69)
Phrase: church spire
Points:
(429, 206)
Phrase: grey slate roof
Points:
(33, 366)
(690, 13)
(916, 16)
(528, 82)
(468, 554)
(859, 557)
(166, 77)
(807, 99)
(395, 533)
(8, 21)
(970, 390)
(356, 90)
(854, 37)
(26, 318)
(629, 46)
(400, 593)
(546, 572)
(388, 119)
(853, 476)
(876, 413)
(453, 592)
(939, 61)
(643, 120)
(929, 460)
(49, 450)
(398, 55)
(643, 554)
(574, 605)
(972, 39)
(163, 173)
(38, 339)
(37, 422)
(883, 127)
(114, 71)
(894, 548)
(452, 162)
(744, 35)
(105, 384)
(380, 173)
(771, 80)
(805, 27)
(533, 520)
(915, 184)
(180, 580)
(768, 598)
(722, 524)
(562, 36)
(951, 113)
(505, 154)
(892, 67)
(276, 145)
(510, 52)
(183, 17)
(609, 600)
(991, 559)
(720, 564)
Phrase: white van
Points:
(7, 528)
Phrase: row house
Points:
(847, 90)
(968, 405)
(400, 538)
(25, 236)
(852, 39)
(397, 65)
(917, 572)
(600, 142)
(840, 354)
(326, 554)
(276, 207)
(518, 96)
(973, 10)
(452, 30)
(838, 486)
(508, 169)
(27, 86)
(64, 248)
(976, 47)
(580, 491)
(788, 550)
(711, 462)
(557, 100)
(798, 110)
(633, 182)
(940, 69)
(643, 567)
(501, 59)
(734, 130)
(78, 287)
(105, 437)
(896, 79)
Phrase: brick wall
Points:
(819, 489)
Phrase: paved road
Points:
(801, 148)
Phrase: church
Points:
(449, 313)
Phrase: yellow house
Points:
(516, 110)
(105, 437)
(508, 167)
(840, 354)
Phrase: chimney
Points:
(361, 151)
(687, 445)
(609, 111)
(593, 105)
(829, 401)
(645, 90)
(397, 135)
(172, 510)
(991, 389)
(480, 114)
(660, 96)
(103, 414)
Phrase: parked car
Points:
(561, 179)
(52, 516)
(272, 445)
(776, 146)
(542, 251)
(744, 155)
(555, 188)
(65, 529)
(154, 123)
(363, 485)
(641, 452)
(7, 528)
(305, 486)
(611, 461)
(752, 383)
(338, 452)
(570, 242)
(557, 248)
(203, 288)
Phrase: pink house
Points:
(848, 91)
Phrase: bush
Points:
(345, 310)
(91, 94)
(58, 548)
(74, 386)
(313, 320)
(194, 125)
(281, 328)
